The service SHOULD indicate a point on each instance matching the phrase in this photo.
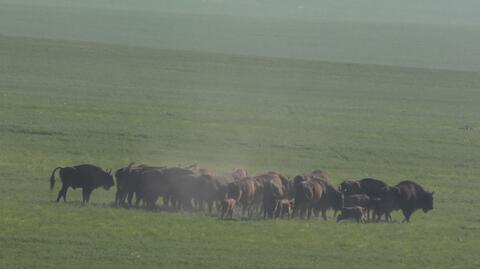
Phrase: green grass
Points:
(64, 103)
(350, 32)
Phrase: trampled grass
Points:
(64, 103)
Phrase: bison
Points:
(283, 208)
(369, 186)
(331, 199)
(357, 213)
(318, 174)
(247, 197)
(410, 197)
(227, 207)
(85, 176)
(307, 193)
(362, 200)
(147, 183)
(273, 190)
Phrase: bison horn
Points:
(130, 165)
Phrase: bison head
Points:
(349, 187)
(308, 191)
(336, 200)
(298, 179)
(427, 202)
(107, 179)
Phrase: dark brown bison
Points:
(208, 188)
(362, 200)
(146, 182)
(184, 186)
(85, 176)
(384, 204)
(382, 207)
(179, 187)
(357, 213)
(127, 184)
(208, 192)
(369, 186)
(410, 196)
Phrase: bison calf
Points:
(357, 213)
(361, 200)
(283, 208)
(227, 208)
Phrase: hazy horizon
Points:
(444, 12)
(428, 34)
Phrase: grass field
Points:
(325, 33)
(64, 103)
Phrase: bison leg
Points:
(165, 200)
(376, 215)
(118, 197)
(302, 210)
(130, 198)
(62, 193)
(210, 206)
(324, 214)
(309, 215)
(388, 218)
(407, 213)
(231, 212)
(86, 194)
(138, 199)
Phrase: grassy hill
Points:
(436, 34)
(64, 103)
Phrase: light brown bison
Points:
(307, 193)
(247, 197)
(331, 199)
(227, 208)
(313, 191)
(273, 190)
(317, 174)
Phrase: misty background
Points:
(428, 33)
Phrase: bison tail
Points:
(52, 178)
